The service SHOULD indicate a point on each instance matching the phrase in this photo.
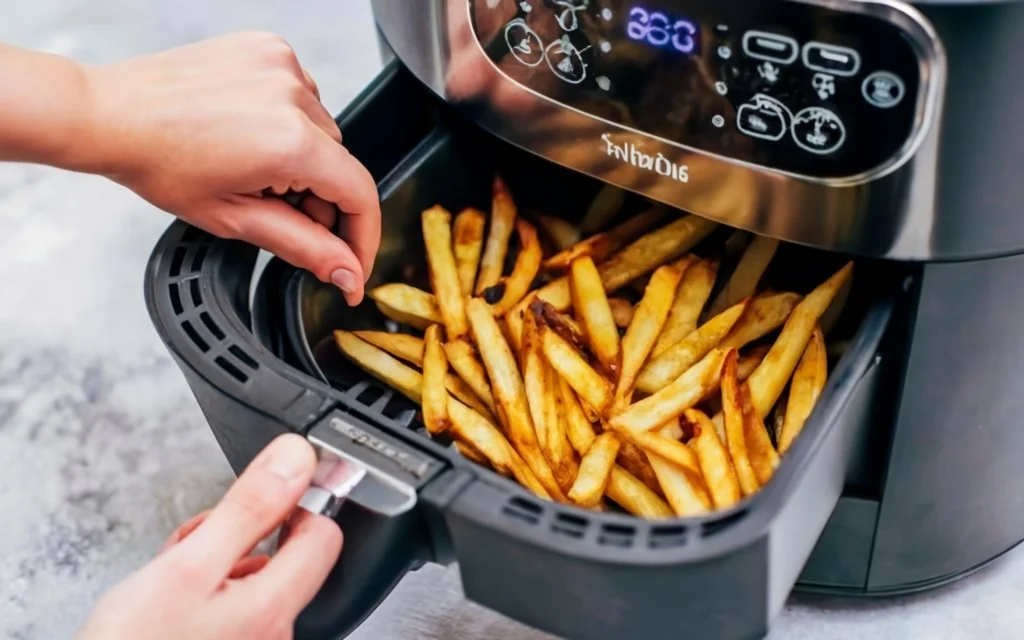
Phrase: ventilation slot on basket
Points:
(214, 329)
(617, 535)
(195, 292)
(194, 336)
(569, 525)
(231, 369)
(667, 536)
(193, 234)
(177, 260)
(244, 357)
(711, 528)
(523, 509)
(199, 258)
(175, 295)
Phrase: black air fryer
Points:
(870, 129)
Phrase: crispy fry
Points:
(622, 312)
(768, 381)
(671, 401)
(588, 383)
(437, 236)
(765, 314)
(562, 233)
(435, 368)
(633, 459)
(604, 207)
(745, 365)
(832, 316)
(468, 231)
(685, 496)
(517, 285)
(763, 457)
(647, 323)
(745, 277)
(691, 296)
(735, 440)
(462, 358)
(381, 365)
(544, 407)
(624, 488)
(804, 390)
(644, 255)
(402, 345)
(503, 218)
(719, 473)
(595, 470)
(602, 245)
(472, 428)
(671, 449)
(407, 305)
(467, 450)
(778, 419)
(661, 370)
(593, 310)
(510, 393)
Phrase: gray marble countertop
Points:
(103, 451)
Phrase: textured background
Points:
(102, 448)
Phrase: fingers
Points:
(298, 569)
(260, 500)
(322, 212)
(334, 175)
(184, 530)
(248, 566)
(274, 225)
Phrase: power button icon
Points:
(883, 89)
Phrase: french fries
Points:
(807, 384)
(435, 396)
(468, 232)
(503, 219)
(437, 236)
(407, 305)
(551, 376)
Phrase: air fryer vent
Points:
(188, 302)
(379, 399)
(713, 527)
(567, 524)
(664, 537)
(617, 535)
(523, 509)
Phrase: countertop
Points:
(103, 450)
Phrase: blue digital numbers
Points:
(660, 30)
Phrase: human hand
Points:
(213, 131)
(206, 584)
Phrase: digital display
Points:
(663, 30)
(791, 86)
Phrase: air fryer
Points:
(902, 478)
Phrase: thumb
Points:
(274, 225)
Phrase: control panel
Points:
(786, 85)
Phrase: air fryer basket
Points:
(255, 371)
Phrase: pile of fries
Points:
(551, 376)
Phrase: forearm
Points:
(44, 106)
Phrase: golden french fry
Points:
(517, 285)
(503, 218)
(407, 305)
(470, 427)
(670, 402)
(468, 231)
(469, 451)
(578, 428)
(805, 387)
(588, 383)
(437, 236)
(644, 329)
(747, 274)
(602, 245)
(622, 312)
(381, 365)
(735, 430)
(462, 358)
(691, 296)
(465, 394)
(835, 310)
(627, 491)
(435, 368)
(633, 459)
(562, 233)
(768, 381)
(402, 345)
(544, 408)
(684, 496)
(719, 473)
(510, 393)
(644, 255)
(778, 419)
(593, 310)
(763, 456)
(606, 204)
(669, 448)
(766, 313)
(665, 368)
(595, 470)
(745, 365)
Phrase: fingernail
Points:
(344, 280)
(290, 459)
